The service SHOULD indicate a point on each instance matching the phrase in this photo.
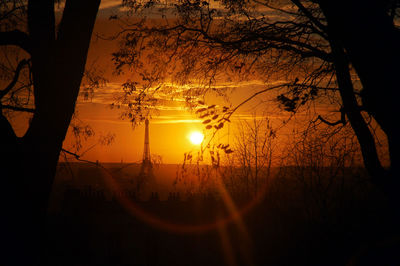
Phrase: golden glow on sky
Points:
(196, 137)
(174, 128)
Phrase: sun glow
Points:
(196, 137)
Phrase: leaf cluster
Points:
(213, 116)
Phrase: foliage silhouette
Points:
(344, 59)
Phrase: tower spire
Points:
(146, 150)
(145, 179)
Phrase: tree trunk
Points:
(371, 43)
(58, 62)
(353, 113)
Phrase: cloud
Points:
(171, 100)
(171, 93)
(176, 121)
(156, 120)
(110, 3)
(104, 4)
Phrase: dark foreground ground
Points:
(294, 223)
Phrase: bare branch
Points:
(341, 121)
(308, 14)
(284, 11)
(78, 157)
(255, 94)
(277, 42)
(17, 108)
(15, 37)
(21, 64)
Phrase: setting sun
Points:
(196, 137)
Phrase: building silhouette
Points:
(147, 166)
(146, 180)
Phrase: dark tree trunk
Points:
(58, 62)
(371, 43)
(352, 111)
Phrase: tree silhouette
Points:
(369, 42)
(341, 53)
(52, 66)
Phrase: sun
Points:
(196, 137)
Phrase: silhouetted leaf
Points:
(201, 110)
(207, 121)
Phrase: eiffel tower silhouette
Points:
(146, 177)
(146, 162)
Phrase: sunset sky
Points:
(199, 132)
(170, 127)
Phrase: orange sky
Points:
(169, 130)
